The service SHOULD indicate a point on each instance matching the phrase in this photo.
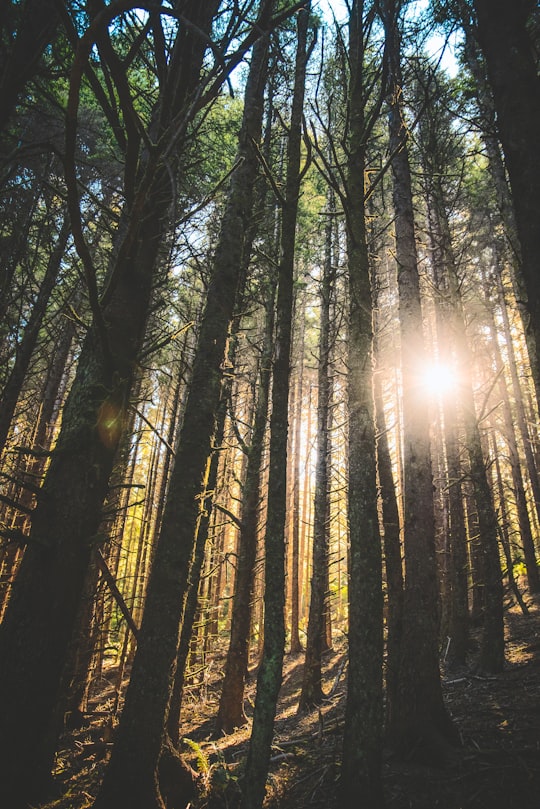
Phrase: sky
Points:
(435, 44)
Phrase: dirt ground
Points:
(498, 719)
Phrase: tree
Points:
(417, 717)
(26, 29)
(497, 168)
(270, 671)
(231, 705)
(362, 739)
(12, 388)
(38, 626)
(141, 746)
(312, 693)
(512, 72)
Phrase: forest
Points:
(270, 404)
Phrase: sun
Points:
(438, 378)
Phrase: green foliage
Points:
(217, 139)
(202, 763)
(222, 778)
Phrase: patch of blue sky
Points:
(440, 47)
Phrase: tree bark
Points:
(503, 533)
(498, 173)
(391, 523)
(492, 646)
(512, 73)
(298, 513)
(518, 484)
(231, 705)
(14, 383)
(132, 777)
(41, 616)
(270, 671)
(457, 596)
(361, 780)
(417, 720)
(312, 692)
(36, 28)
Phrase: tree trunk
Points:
(391, 523)
(40, 619)
(418, 721)
(525, 530)
(512, 73)
(497, 170)
(13, 386)
(362, 739)
(312, 692)
(270, 671)
(38, 25)
(457, 608)
(131, 778)
(503, 533)
(492, 646)
(51, 398)
(193, 600)
(231, 706)
(297, 512)
(520, 417)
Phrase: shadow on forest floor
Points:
(498, 718)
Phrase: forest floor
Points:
(497, 767)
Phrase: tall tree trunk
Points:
(312, 692)
(418, 720)
(36, 28)
(391, 523)
(457, 606)
(503, 532)
(51, 398)
(41, 616)
(453, 343)
(500, 183)
(520, 415)
(527, 541)
(193, 600)
(492, 646)
(512, 72)
(270, 671)
(244, 578)
(131, 778)
(297, 512)
(231, 705)
(14, 383)
(362, 739)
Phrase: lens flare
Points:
(438, 379)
